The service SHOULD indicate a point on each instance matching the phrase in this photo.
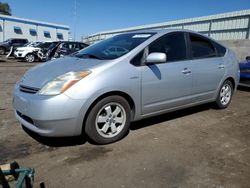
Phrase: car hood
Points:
(39, 75)
(28, 48)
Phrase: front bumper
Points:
(54, 116)
(18, 54)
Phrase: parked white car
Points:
(29, 52)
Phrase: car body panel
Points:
(155, 76)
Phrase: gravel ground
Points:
(195, 147)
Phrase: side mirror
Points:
(156, 57)
(248, 58)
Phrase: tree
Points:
(5, 9)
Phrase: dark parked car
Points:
(59, 49)
(5, 46)
(245, 72)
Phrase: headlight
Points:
(63, 82)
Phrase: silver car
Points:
(99, 93)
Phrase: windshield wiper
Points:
(91, 56)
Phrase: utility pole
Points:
(75, 15)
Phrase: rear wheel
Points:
(30, 58)
(109, 120)
(225, 95)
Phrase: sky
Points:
(85, 17)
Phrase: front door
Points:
(167, 85)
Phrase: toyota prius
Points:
(97, 92)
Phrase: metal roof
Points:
(22, 20)
(175, 22)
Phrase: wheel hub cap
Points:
(225, 94)
(110, 120)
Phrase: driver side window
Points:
(173, 45)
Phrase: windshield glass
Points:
(36, 44)
(31, 44)
(44, 45)
(53, 45)
(114, 47)
(7, 40)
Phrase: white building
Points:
(226, 26)
(13, 27)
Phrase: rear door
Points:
(167, 85)
(207, 67)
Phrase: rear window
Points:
(201, 47)
(221, 50)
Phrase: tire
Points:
(2, 50)
(30, 58)
(225, 95)
(108, 121)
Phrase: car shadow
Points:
(80, 140)
(56, 141)
(169, 116)
(243, 88)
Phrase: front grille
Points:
(27, 89)
(24, 117)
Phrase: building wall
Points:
(226, 26)
(8, 23)
(240, 47)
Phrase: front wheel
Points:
(30, 58)
(225, 95)
(109, 120)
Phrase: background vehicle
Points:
(15, 42)
(29, 52)
(245, 72)
(100, 93)
(59, 49)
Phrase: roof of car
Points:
(161, 31)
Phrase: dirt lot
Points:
(195, 147)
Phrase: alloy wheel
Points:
(110, 120)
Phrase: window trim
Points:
(190, 49)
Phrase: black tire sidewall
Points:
(90, 128)
(218, 100)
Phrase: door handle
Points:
(186, 71)
(221, 66)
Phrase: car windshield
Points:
(53, 45)
(114, 47)
(43, 45)
(31, 44)
(36, 44)
(7, 40)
